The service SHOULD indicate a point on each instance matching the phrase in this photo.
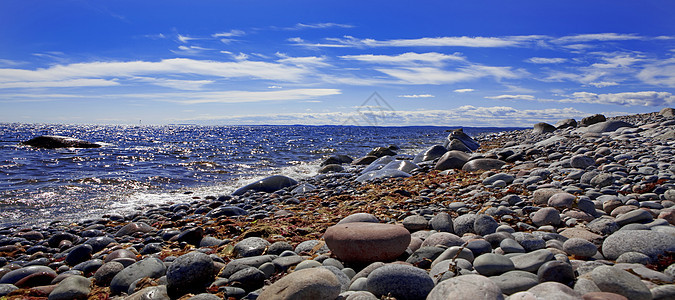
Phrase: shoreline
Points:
(542, 198)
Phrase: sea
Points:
(141, 166)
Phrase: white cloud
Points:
(649, 98)
(244, 96)
(231, 33)
(512, 97)
(321, 25)
(544, 60)
(274, 87)
(405, 58)
(463, 90)
(417, 96)
(602, 37)
(661, 73)
(461, 41)
(428, 75)
(59, 83)
(303, 61)
(603, 84)
(184, 38)
(189, 85)
(183, 66)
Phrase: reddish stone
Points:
(603, 296)
(367, 242)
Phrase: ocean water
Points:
(142, 165)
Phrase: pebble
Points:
(648, 242)
(546, 216)
(252, 246)
(515, 281)
(579, 247)
(557, 271)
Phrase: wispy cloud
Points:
(544, 60)
(460, 41)
(406, 58)
(183, 66)
(59, 83)
(231, 33)
(463, 90)
(648, 98)
(417, 96)
(244, 96)
(512, 97)
(431, 75)
(661, 73)
(602, 37)
(321, 25)
(189, 85)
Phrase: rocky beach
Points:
(580, 209)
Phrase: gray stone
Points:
(531, 262)
(557, 271)
(590, 120)
(204, 296)
(602, 180)
(466, 287)
(442, 222)
(458, 134)
(457, 145)
(434, 152)
(308, 246)
(608, 126)
(635, 216)
(150, 293)
(633, 258)
(315, 283)
(242, 263)
(546, 216)
(73, 287)
(529, 241)
(579, 247)
(581, 161)
(269, 185)
(452, 253)
(107, 272)
(499, 176)
(482, 164)
(149, 267)
(400, 281)
(551, 291)
(464, 224)
(248, 279)
(6, 288)
(14, 276)
(515, 281)
(542, 127)
(452, 160)
(667, 112)
(663, 292)
(341, 277)
(251, 246)
(190, 273)
(566, 123)
(484, 225)
(647, 242)
(359, 217)
(541, 196)
(491, 264)
(562, 200)
(511, 246)
(415, 223)
(615, 280)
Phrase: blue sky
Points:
(470, 63)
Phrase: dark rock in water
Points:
(667, 112)
(55, 141)
(384, 173)
(566, 123)
(452, 160)
(483, 164)
(269, 185)
(337, 160)
(366, 160)
(14, 276)
(543, 127)
(607, 126)
(590, 120)
(459, 134)
(335, 168)
(381, 151)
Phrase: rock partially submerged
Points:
(57, 141)
(269, 184)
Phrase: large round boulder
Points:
(367, 242)
(483, 164)
(452, 160)
(313, 283)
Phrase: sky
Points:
(385, 63)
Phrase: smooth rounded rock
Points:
(415, 223)
(648, 242)
(269, 184)
(251, 246)
(367, 242)
(466, 287)
(546, 216)
(442, 222)
(404, 282)
(484, 224)
(315, 283)
(531, 261)
(491, 264)
(557, 271)
(14, 276)
(579, 247)
(561, 200)
(614, 280)
(190, 273)
(149, 267)
(442, 238)
(515, 281)
(551, 291)
(73, 287)
(482, 164)
(359, 217)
